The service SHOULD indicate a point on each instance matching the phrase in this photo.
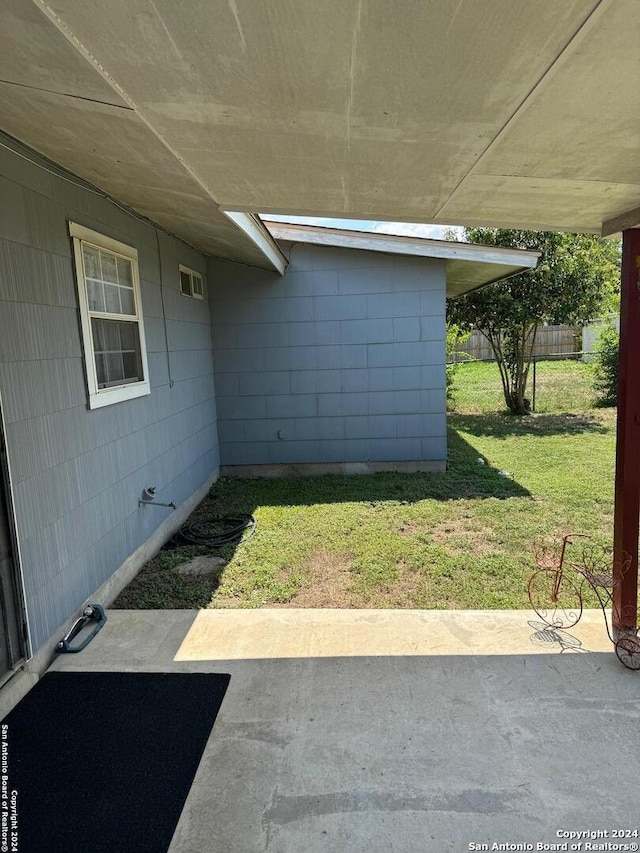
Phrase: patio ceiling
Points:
(494, 112)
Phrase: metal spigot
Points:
(148, 498)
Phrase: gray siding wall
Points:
(339, 360)
(77, 474)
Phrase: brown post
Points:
(627, 486)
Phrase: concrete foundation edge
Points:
(313, 469)
(25, 678)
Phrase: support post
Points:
(627, 486)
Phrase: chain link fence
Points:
(557, 383)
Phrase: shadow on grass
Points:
(504, 425)
(158, 587)
(464, 479)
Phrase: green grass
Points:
(561, 386)
(463, 539)
(158, 587)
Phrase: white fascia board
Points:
(260, 237)
(417, 246)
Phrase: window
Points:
(191, 283)
(110, 310)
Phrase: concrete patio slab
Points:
(275, 633)
(409, 746)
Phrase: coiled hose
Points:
(218, 532)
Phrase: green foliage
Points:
(454, 336)
(575, 278)
(605, 367)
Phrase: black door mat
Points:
(103, 761)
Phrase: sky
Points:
(403, 229)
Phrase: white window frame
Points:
(99, 397)
(194, 274)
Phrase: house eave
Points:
(468, 265)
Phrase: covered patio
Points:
(498, 113)
(201, 117)
(393, 730)
(436, 731)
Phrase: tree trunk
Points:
(513, 350)
(496, 347)
(522, 356)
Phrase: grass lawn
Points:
(561, 386)
(463, 539)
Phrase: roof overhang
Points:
(468, 265)
(493, 112)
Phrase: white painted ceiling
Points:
(521, 113)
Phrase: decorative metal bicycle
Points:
(556, 592)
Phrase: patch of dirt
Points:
(329, 582)
(409, 590)
(463, 535)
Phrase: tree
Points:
(454, 336)
(605, 366)
(577, 275)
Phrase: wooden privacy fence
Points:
(550, 340)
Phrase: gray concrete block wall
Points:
(340, 360)
(77, 474)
